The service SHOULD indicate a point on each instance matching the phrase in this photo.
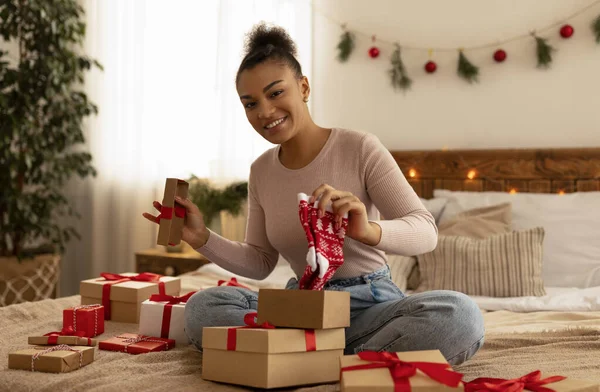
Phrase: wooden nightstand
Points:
(159, 261)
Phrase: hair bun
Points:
(263, 36)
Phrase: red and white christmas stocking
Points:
(329, 243)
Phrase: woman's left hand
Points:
(359, 227)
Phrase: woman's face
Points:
(273, 99)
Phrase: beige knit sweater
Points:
(351, 161)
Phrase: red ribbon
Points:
(232, 282)
(116, 278)
(402, 371)
(166, 318)
(309, 334)
(67, 331)
(165, 213)
(530, 382)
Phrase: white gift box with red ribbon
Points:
(163, 316)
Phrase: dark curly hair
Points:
(265, 43)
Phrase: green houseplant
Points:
(42, 109)
(212, 200)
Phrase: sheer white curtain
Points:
(168, 108)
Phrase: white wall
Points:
(514, 104)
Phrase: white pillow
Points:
(571, 222)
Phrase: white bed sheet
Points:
(563, 299)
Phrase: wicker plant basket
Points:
(29, 280)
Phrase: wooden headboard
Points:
(509, 170)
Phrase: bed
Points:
(557, 333)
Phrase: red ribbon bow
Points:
(401, 371)
(232, 282)
(249, 320)
(116, 278)
(167, 212)
(529, 382)
(166, 318)
(66, 331)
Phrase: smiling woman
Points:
(346, 192)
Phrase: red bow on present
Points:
(167, 212)
(116, 278)
(401, 371)
(529, 382)
(68, 331)
(232, 282)
(166, 318)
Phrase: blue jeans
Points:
(382, 318)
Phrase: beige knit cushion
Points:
(503, 265)
(400, 268)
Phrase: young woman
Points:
(352, 173)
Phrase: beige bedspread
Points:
(556, 343)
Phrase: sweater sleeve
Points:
(255, 258)
(408, 229)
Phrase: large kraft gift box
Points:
(271, 358)
(122, 298)
(56, 359)
(163, 315)
(172, 215)
(316, 309)
(383, 372)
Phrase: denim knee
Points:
(467, 317)
(216, 307)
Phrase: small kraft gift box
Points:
(88, 319)
(163, 315)
(264, 356)
(131, 343)
(384, 371)
(316, 309)
(172, 215)
(55, 359)
(122, 295)
(65, 336)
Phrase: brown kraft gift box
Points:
(126, 297)
(380, 379)
(54, 359)
(69, 340)
(317, 309)
(271, 358)
(172, 214)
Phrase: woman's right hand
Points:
(195, 232)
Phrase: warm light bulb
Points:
(471, 174)
(513, 191)
(561, 192)
(412, 173)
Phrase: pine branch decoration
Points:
(596, 29)
(398, 73)
(346, 46)
(544, 52)
(466, 69)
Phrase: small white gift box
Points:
(163, 316)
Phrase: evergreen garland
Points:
(543, 52)
(346, 46)
(596, 28)
(466, 69)
(398, 73)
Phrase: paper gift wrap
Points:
(383, 371)
(136, 344)
(271, 358)
(163, 315)
(172, 215)
(122, 295)
(533, 381)
(317, 309)
(87, 319)
(66, 336)
(56, 359)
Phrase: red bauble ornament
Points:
(430, 67)
(567, 31)
(374, 52)
(499, 55)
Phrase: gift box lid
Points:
(128, 291)
(380, 378)
(54, 361)
(273, 341)
(70, 340)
